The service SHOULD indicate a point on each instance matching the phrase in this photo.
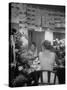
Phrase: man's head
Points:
(46, 45)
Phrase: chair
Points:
(47, 77)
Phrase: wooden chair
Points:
(50, 74)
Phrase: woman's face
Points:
(32, 47)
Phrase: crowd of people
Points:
(26, 63)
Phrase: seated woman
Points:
(47, 60)
(33, 50)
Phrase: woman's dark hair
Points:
(13, 31)
(46, 44)
(33, 44)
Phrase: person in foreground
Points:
(47, 61)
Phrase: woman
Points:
(47, 60)
(33, 50)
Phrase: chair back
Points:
(48, 77)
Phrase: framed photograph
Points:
(36, 44)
